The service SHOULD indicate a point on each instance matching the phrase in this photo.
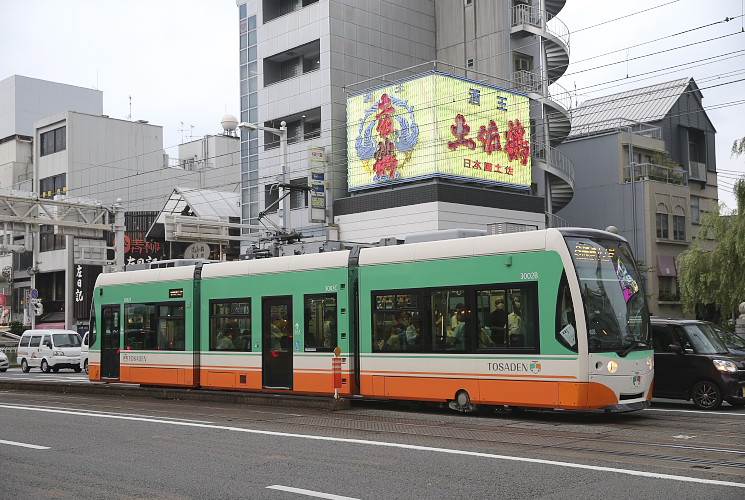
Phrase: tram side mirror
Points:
(676, 349)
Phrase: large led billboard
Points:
(438, 125)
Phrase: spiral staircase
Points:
(553, 115)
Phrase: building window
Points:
(52, 186)
(50, 241)
(662, 226)
(53, 141)
(679, 227)
(695, 209)
(299, 197)
(271, 195)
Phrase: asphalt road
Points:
(93, 446)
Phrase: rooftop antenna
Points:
(182, 130)
(191, 134)
(129, 116)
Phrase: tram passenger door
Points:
(110, 328)
(277, 340)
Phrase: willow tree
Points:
(716, 275)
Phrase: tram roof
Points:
(307, 262)
(461, 247)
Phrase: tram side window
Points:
(321, 322)
(397, 322)
(172, 327)
(230, 325)
(92, 328)
(566, 327)
(155, 327)
(450, 319)
(507, 318)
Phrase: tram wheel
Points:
(706, 395)
(462, 402)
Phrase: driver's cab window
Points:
(47, 342)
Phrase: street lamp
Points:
(282, 133)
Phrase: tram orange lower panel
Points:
(156, 376)
(507, 392)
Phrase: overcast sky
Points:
(178, 59)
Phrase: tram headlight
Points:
(724, 366)
(650, 362)
(612, 366)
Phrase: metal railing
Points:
(531, 81)
(553, 220)
(534, 16)
(553, 157)
(659, 173)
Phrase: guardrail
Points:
(534, 16)
(659, 173)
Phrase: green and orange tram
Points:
(554, 318)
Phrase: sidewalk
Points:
(234, 397)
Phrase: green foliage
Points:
(16, 327)
(717, 275)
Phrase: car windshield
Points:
(66, 340)
(730, 339)
(611, 288)
(701, 339)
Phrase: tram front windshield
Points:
(612, 294)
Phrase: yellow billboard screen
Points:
(438, 125)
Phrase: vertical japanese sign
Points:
(438, 125)
(85, 279)
(317, 212)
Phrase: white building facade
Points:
(301, 59)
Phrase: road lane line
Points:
(25, 445)
(630, 472)
(700, 412)
(310, 493)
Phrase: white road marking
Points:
(701, 412)
(310, 493)
(25, 445)
(630, 472)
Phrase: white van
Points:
(49, 350)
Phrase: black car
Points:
(692, 362)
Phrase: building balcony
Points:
(657, 173)
(528, 20)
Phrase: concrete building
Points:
(23, 101)
(301, 59)
(83, 156)
(646, 164)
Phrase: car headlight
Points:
(725, 366)
(612, 366)
(650, 362)
(59, 353)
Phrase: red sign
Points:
(3, 300)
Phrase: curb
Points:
(234, 397)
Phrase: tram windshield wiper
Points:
(625, 352)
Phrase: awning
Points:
(52, 326)
(666, 265)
